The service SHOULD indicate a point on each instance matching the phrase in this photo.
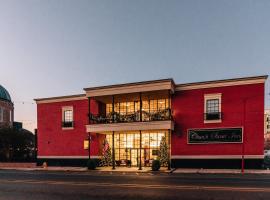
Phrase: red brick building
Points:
(212, 124)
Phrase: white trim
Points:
(67, 108)
(133, 126)
(61, 99)
(67, 128)
(217, 157)
(224, 83)
(172, 157)
(209, 97)
(212, 121)
(130, 89)
(209, 143)
(66, 157)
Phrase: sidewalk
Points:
(84, 169)
(220, 171)
(135, 170)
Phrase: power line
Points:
(24, 102)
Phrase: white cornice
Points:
(216, 156)
(61, 99)
(132, 126)
(221, 83)
(127, 89)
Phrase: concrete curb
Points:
(219, 171)
(128, 170)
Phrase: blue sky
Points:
(57, 47)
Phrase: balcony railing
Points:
(115, 117)
(212, 116)
(69, 124)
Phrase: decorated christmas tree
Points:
(106, 159)
(163, 152)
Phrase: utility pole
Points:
(243, 139)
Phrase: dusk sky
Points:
(58, 47)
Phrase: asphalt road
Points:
(40, 185)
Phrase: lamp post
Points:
(89, 140)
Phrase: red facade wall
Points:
(53, 140)
(188, 109)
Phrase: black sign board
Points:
(222, 135)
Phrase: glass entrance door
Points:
(127, 147)
(134, 157)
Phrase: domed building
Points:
(6, 108)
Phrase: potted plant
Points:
(91, 164)
(155, 165)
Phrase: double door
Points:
(135, 157)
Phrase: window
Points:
(1, 114)
(212, 108)
(10, 116)
(68, 115)
(108, 108)
(152, 109)
(67, 119)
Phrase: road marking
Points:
(143, 186)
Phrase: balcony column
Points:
(113, 152)
(113, 118)
(140, 163)
(140, 107)
(169, 149)
(170, 105)
(89, 110)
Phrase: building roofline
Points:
(60, 98)
(226, 82)
(183, 86)
(131, 84)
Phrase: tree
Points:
(16, 144)
(267, 143)
(163, 152)
(106, 159)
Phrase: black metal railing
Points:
(212, 116)
(67, 124)
(115, 117)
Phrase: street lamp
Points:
(243, 141)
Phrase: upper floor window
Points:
(67, 117)
(212, 108)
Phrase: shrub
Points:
(266, 162)
(91, 164)
(155, 165)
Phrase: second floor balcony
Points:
(137, 116)
(132, 106)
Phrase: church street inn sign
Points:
(224, 135)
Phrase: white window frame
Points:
(67, 108)
(10, 116)
(210, 97)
